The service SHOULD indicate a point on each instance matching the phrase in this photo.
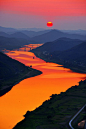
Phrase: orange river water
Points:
(32, 92)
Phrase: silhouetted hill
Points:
(9, 67)
(49, 36)
(75, 54)
(34, 33)
(74, 58)
(4, 34)
(12, 71)
(22, 33)
(42, 36)
(28, 31)
(55, 34)
(7, 30)
(60, 44)
(15, 35)
(19, 35)
(12, 43)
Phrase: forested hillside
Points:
(12, 71)
(60, 44)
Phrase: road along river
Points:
(31, 92)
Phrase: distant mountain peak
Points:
(55, 30)
(19, 35)
(4, 34)
(67, 39)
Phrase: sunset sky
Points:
(65, 14)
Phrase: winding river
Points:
(31, 92)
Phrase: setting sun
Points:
(49, 24)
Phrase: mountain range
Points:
(60, 44)
(38, 36)
(76, 54)
(34, 33)
(55, 34)
(13, 43)
(69, 52)
(15, 35)
(59, 47)
(7, 29)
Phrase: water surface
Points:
(30, 93)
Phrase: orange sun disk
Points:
(49, 24)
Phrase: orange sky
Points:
(45, 7)
(39, 12)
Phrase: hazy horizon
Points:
(39, 28)
(64, 14)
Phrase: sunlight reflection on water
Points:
(31, 92)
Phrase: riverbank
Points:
(71, 65)
(59, 109)
(26, 95)
(12, 72)
(56, 112)
(9, 83)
